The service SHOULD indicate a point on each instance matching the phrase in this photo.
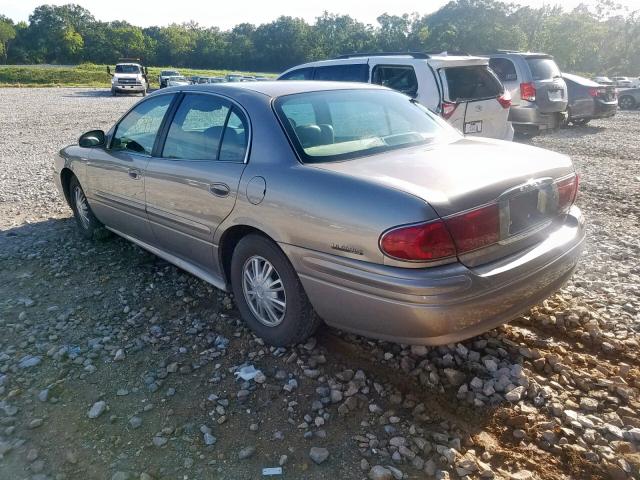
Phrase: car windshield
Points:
(336, 125)
(543, 68)
(127, 69)
(169, 73)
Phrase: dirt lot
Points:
(115, 364)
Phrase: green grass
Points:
(85, 75)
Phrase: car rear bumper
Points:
(438, 305)
(529, 117)
(605, 109)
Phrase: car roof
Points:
(581, 80)
(276, 88)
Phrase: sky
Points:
(227, 13)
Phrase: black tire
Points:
(299, 321)
(90, 227)
(627, 102)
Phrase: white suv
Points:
(460, 88)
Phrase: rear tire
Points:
(580, 121)
(90, 227)
(274, 304)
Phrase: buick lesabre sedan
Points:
(344, 203)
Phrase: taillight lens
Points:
(567, 192)
(505, 99)
(596, 92)
(528, 92)
(476, 228)
(423, 242)
(447, 109)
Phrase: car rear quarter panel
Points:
(313, 208)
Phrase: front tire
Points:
(90, 227)
(626, 102)
(268, 293)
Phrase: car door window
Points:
(357, 72)
(137, 131)
(299, 74)
(196, 129)
(504, 69)
(399, 77)
(234, 140)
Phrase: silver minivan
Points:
(538, 93)
(462, 89)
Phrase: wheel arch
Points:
(228, 242)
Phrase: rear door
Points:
(475, 90)
(551, 91)
(191, 186)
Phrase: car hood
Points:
(454, 177)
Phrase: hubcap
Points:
(626, 103)
(263, 290)
(82, 207)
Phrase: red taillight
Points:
(505, 99)
(567, 192)
(528, 92)
(596, 92)
(447, 109)
(424, 242)
(476, 228)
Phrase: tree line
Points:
(604, 39)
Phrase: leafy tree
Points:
(7, 33)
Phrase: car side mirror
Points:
(94, 138)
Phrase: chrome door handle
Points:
(219, 189)
(135, 173)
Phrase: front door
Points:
(116, 181)
(191, 186)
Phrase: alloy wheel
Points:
(264, 291)
(82, 207)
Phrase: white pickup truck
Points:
(129, 78)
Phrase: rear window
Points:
(472, 82)
(504, 69)
(543, 68)
(343, 124)
(358, 72)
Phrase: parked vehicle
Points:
(166, 74)
(194, 79)
(589, 100)
(603, 80)
(260, 78)
(234, 77)
(350, 203)
(460, 88)
(176, 81)
(622, 82)
(129, 77)
(538, 92)
(629, 98)
(211, 80)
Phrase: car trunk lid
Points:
(471, 173)
(550, 89)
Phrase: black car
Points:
(588, 99)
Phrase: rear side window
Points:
(399, 77)
(504, 69)
(473, 82)
(206, 127)
(543, 68)
(358, 72)
(300, 74)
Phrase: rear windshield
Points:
(472, 82)
(543, 68)
(127, 69)
(343, 124)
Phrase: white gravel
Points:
(114, 364)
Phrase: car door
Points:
(116, 174)
(191, 186)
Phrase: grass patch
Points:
(85, 75)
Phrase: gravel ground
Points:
(115, 364)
